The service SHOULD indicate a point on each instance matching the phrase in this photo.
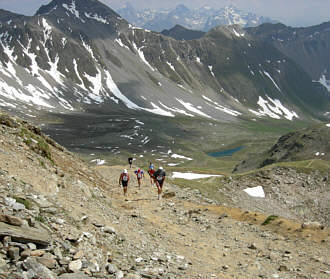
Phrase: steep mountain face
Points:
(79, 55)
(306, 144)
(309, 47)
(203, 19)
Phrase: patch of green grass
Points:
(269, 219)
(37, 143)
(42, 163)
(25, 202)
(44, 148)
(41, 219)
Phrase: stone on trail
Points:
(78, 275)
(110, 230)
(110, 268)
(132, 276)
(312, 226)
(75, 266)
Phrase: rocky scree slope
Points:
(61, 219)
(76, 55)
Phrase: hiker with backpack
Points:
(159, 178)
(151, 172)
(139, 175)
(123, 180)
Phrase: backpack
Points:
(139, 175)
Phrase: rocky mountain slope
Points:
(81, 55)
(61, 219)
(203, 19)
(307, 144)
(308, 47)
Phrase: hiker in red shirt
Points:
(139, 175)
(123, 179)
(151, 172)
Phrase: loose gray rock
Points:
(119, 274)
(132, 276)
(78, 275)
(110, 230)
(32, 246)
(13, 253)
(75, 266)
(111, 268)
(37, 270)
(312, 226)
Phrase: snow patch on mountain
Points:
(193, 109)
(273, 81)
(177, 156)
(171, 66)
(141, 54)
(119, 42)
(97, 18)
(115, 90)
(47, 31)
(324, 82)
(97, 85)
(73, 10)
(211, 70)
(37, 97)
(256, 192)
(237, 34)
(81, 84)
(176, 110)
(87, 47)
(157, 110)
(273, 109)
(220, 107)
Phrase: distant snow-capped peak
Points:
(204, 18)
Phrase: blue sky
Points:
(290, 12)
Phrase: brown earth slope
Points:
(61, 219)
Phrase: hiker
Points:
(130, 161)
(123, 179)
(151, 172)
(139, 175)
(159, 178)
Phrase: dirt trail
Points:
(216, 241)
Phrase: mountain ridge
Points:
(225, 75)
